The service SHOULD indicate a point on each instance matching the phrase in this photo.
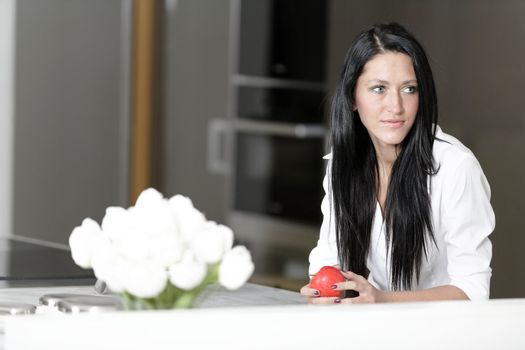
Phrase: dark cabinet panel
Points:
(283, 39)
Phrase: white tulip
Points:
(114, 278)
(145, 280)
(166, 249)
(148, 197)
(188, 273)
(134, 247)
(189, 220)
(236, 268)
(152, 214)
(212, 243)
(84, 241)
(117, 223)
(111, 268)
(127, 238)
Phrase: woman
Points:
(407, 210)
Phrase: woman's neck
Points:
(386, 156)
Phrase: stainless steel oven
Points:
(271, 144)
(278, 176)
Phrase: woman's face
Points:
(387, 98)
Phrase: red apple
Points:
(325, 279)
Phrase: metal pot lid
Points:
(7, 308)
(89, 304)
(53, 299)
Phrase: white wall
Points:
(7, 68)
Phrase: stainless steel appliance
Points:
(271, 144)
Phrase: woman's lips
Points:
(393, 123)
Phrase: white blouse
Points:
(462, 217)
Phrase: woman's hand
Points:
(367, 292)
(313, 297)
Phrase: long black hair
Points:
(354, 173)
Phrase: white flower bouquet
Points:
(160, 253)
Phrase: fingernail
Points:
(337, 301)
(333, 286)
(316, 293)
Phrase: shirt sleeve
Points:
(325, 253)
(468, 219)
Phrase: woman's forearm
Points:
(447, 292)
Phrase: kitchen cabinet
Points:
(71, 114)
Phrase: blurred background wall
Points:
(241, 88)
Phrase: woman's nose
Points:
(395, 103)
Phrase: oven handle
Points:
(300, 131)
(218, 129)
(217, 139)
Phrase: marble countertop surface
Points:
(214, 296)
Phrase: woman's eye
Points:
(409, 89)
(377, 89)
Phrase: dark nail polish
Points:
(337, 301)
(316, 293)
(333, 286)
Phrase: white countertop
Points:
(237, 320)
(214, 297)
